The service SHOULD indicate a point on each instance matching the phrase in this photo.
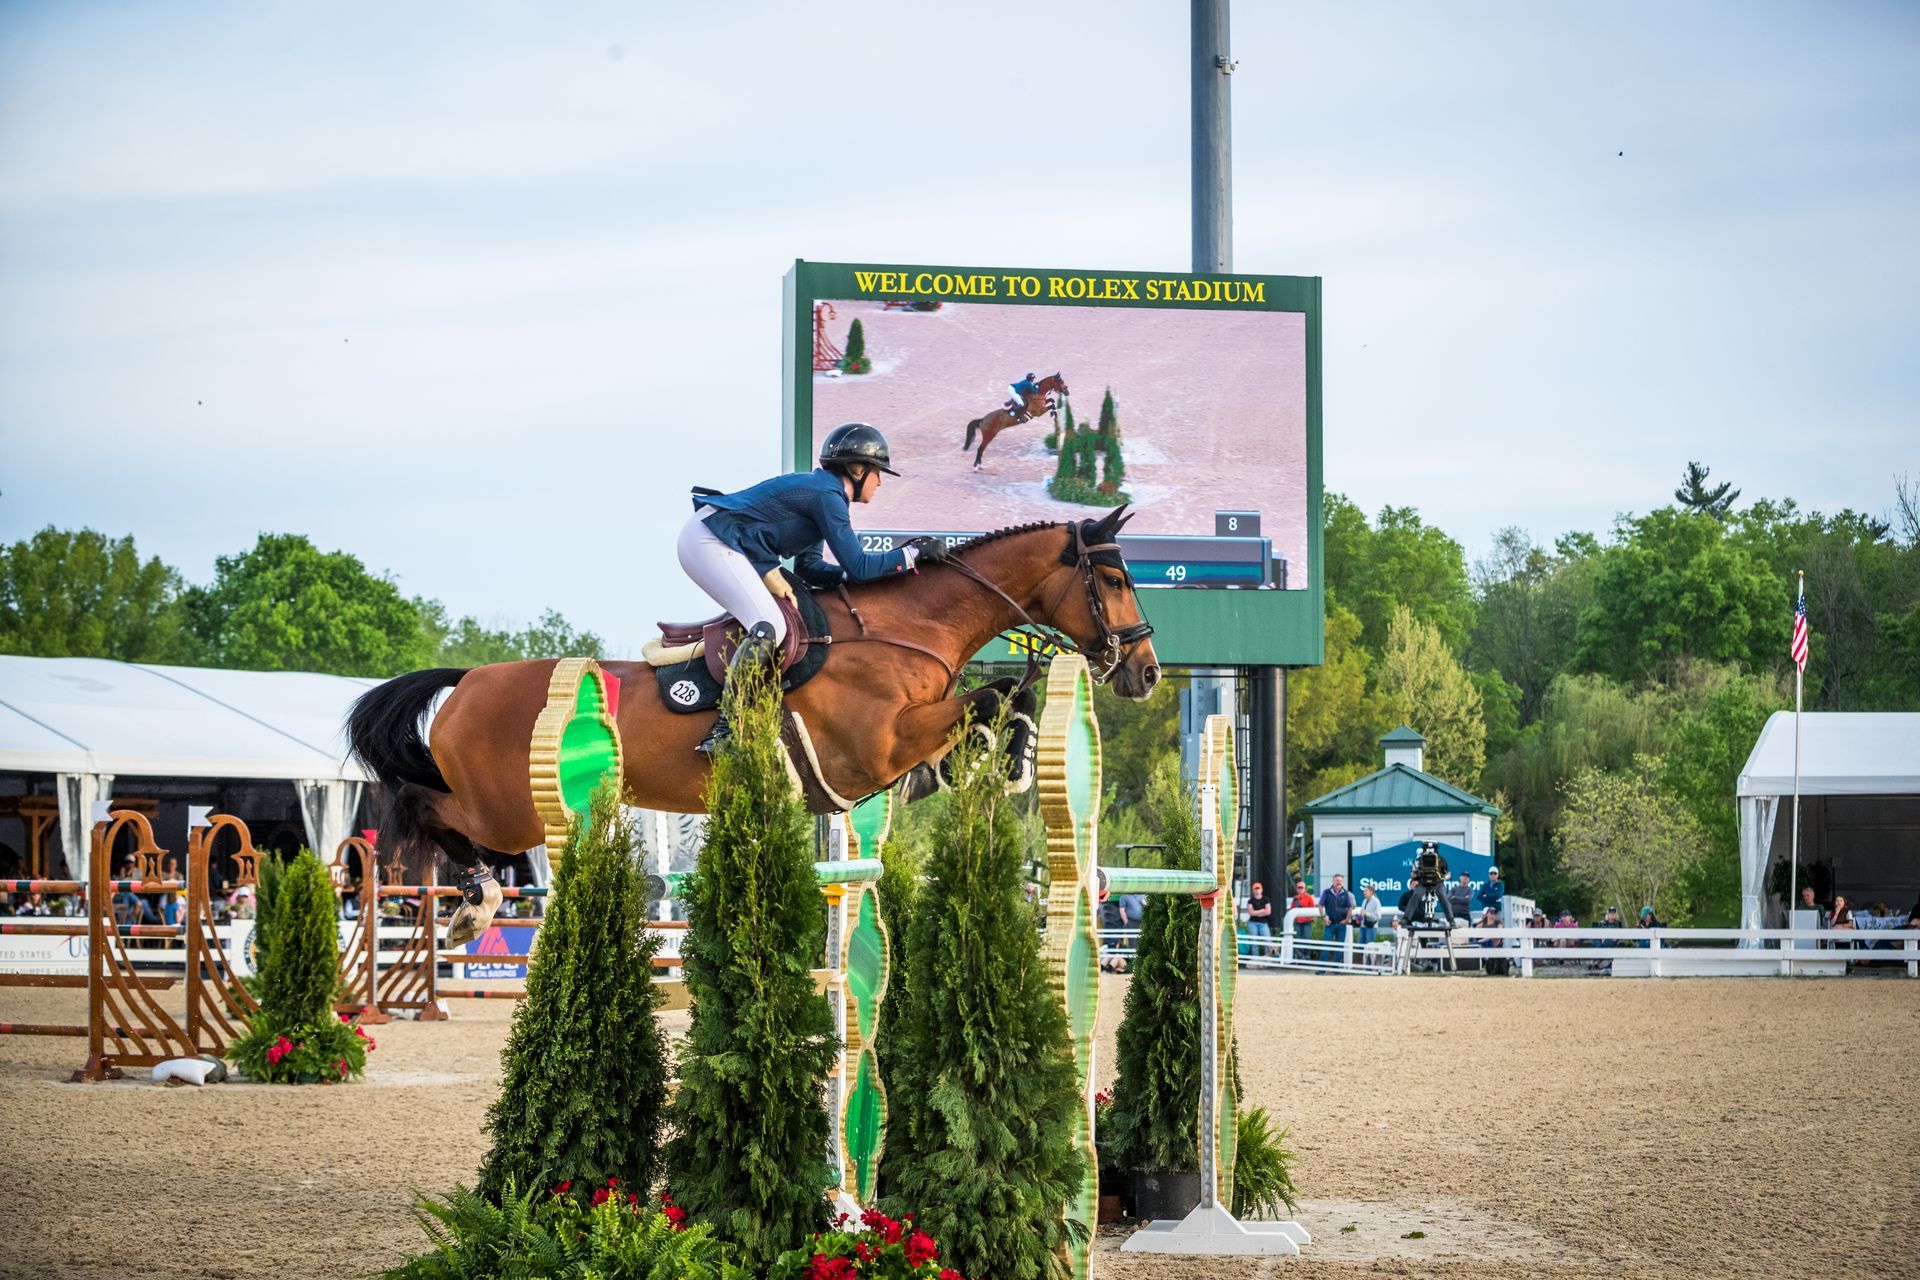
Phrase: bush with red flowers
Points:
(888, 1249)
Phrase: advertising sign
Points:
(1015, 395)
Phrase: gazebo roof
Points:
(1398, 789)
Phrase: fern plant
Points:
(551, 1235)
(1262, 1169)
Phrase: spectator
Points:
(1842, 917)
(1611, 920)
(1259, 918)
(1303, 900)
(1134, 907)
(1493, 892)
(1808, 902)
(35, 905)
(1460, 897)
(1366, 916)
(1565, 920)
(172, 901)
(1913, 915)
(1337, 904)
(1493, 965)
(1111, 915)
(1650, 921)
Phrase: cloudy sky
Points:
(477, 290)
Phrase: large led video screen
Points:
(1014, 396)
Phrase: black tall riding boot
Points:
(755, 646)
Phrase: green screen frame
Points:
(1193, 626)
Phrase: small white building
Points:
(1398, 804)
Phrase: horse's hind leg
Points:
(986, 438)
(421, 811)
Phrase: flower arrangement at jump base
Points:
(295, 1038)
(888, 1249)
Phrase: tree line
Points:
(1603, 691)
(282, 605)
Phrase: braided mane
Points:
(1007, 532)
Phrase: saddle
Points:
(690, 658)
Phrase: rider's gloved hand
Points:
(928, 550)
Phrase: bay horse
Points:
(1041, 401)
(882, 704)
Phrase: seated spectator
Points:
(1808, 902)
(1650, 921)
(1566, 920)
(1460, 897)
(1842, 918)
(35, 905)
(1611, 920)
(1490, 919)
(1493, 892)
(1913, 915)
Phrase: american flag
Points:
(1800, 630)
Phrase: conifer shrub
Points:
(855, 360)
(984, 1074)
(750, 1151)
(583, 1090)
(294, 1037)
(1109, 417)
(1154, 1120)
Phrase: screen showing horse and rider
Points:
(1005, 414)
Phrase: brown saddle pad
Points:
(722, 636)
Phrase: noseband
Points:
(1109, 643)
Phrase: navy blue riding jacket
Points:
(793, 515)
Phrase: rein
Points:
(1108, 645)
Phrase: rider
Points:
(1021, 390)
(734, 542)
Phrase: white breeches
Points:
(725, 574)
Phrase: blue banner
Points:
(501, 940)
(1386, 869)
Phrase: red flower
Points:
(600, 1196)
(564, 1187)
(347, 1017)
(343, 1068)
(633, 1198)
(613, 1182)
(677, 1216)
(948, 1273)
(921, 1248)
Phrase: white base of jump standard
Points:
(1210, 1229)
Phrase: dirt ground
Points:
(1212, 408)
(1751, 1128)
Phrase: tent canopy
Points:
(1842, 753)
(94, 716)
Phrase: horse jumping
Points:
(882, 704)
(1052, 390)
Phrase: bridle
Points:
(1109, 643)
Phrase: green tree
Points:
(1702, 747)
(287, 606)
(1154, 1123)
(1674, 587)
(1113, 468)
(1334, 720)
(468, 643)
(583, 1089)
(855, 360)
(1586, 721)
(986, 1073)
(1627, 840)
(1109, 417)
(1696, 495)
(1423, 685)
(79, 594)
(1528, 606)
(1397, 561)
(750, 1117)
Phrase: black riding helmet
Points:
(852, 442)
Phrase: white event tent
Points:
(1859, 807)
(89, 720)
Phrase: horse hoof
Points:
(469, 922)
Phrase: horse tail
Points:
(383, 728)
(971, 428)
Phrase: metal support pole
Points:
(1212, 139)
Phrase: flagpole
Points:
(1793, 899)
